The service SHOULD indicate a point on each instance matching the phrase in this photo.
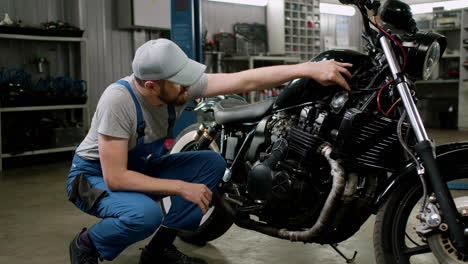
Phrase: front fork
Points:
(425, 150)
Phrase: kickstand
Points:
(351, 260)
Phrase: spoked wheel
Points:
(216, 221)
(395, 238)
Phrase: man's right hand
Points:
(329, 72)
(197, 193)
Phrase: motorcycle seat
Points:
(237, 111)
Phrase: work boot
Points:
(169, 255)
(82, 250)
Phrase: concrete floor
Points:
(37, 223)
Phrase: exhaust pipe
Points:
(325, 216)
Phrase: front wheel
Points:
(217, 220)
(395, 240)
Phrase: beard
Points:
(180, 99)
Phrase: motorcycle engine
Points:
(292, 179)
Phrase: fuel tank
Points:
(305, 90)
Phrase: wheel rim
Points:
(415, 246)
(408, 247)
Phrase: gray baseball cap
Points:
(162, 59)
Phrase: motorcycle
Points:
(314, 163)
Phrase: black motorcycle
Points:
(314, 163)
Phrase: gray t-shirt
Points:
(116, 116)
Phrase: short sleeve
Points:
(114, 113)
(198, 89)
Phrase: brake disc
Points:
(440, 244)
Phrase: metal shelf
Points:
(298, 44)
(41, 38)
(436, 81)
(446, 29)
(41, 108)
(39, 151)
(452, 56)
(263, 58)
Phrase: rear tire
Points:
(217, 220)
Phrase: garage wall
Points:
(32, 12)
(110, 50)
(22, 54)
(219, 17)
(338, 28)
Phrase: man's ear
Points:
(154, 87)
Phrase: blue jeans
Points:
(128, 217)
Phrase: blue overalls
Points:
(128, 217)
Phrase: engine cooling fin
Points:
(302, 144)
(370, 141)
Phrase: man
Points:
(120, 169)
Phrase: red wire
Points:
(396, 41)
(393, 106)
(379, 106)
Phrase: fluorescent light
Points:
(244, 2)
(337, 9)
(447, 5)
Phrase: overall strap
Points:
(170, 120)
(140, 121)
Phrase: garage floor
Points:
(37, 223)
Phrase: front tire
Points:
(395, 241)
(217, 220)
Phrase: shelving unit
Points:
(446, 84)
(255, 95)
(294, 28)
(83, 73)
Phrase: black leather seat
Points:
(237, 111)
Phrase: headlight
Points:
(424, 50)
(431, 60)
